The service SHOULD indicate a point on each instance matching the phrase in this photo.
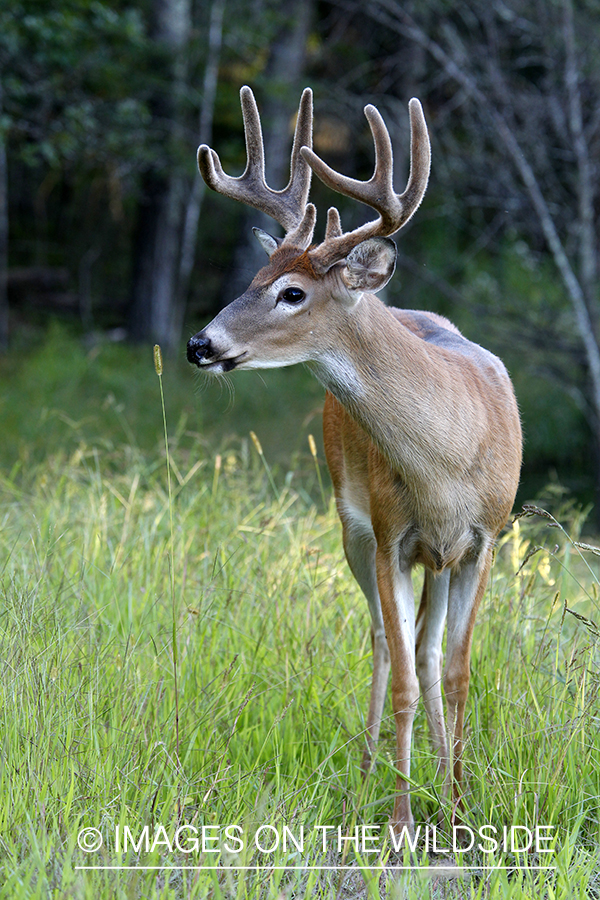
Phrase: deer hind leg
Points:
(467, 585)
(359, 546)
(397, 606)
(431, 620)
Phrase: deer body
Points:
(421, 428)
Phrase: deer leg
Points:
(398, 610)
(467, 585)
(431, 619)
(360, 553)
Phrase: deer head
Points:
(291, 310)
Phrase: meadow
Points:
(184, 651)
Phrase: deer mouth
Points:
(221, 365)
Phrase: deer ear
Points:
(370, 265)
(266, 241)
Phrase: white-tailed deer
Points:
(421, 427)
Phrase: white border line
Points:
(439, 868)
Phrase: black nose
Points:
(198, 348)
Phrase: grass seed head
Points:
(256, 443)
(158, 365)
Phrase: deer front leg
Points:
(397, 606)
(467, 585)
(431, 619)
(359, 546)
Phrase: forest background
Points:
(109, 242)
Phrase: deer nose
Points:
(198, 348)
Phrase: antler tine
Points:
(289, 206)
(420, 156)
(394, 209)
(334, 224)
(298, 186)
(300, 172)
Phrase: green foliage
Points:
(72, 80)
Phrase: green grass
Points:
(273, 678)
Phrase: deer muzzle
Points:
(202, 352)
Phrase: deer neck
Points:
(400, 389)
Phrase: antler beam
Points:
(394, 209)
(288, 206)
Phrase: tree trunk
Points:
(154, 316)
(155, 260)
(3, 241)
(194, 204)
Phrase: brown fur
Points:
(430, 521)
(283, 260)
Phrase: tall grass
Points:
(158, 365)
(273, 682)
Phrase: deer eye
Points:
(292, 295)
